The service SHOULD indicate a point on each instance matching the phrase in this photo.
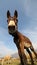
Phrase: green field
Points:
(14, 62)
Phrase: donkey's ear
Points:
(16, 13)
(8, 14)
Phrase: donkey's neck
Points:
(15, 34)
(16, 37)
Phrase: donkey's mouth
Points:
(11, 29)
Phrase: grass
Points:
(14, 62)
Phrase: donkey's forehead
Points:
(11, 18)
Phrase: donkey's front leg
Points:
(22, 55)
(32, 49)
(32, 62)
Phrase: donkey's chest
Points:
(16, 40)
(21, 42)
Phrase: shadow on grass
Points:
(29, 63)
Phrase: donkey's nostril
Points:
(13, 27)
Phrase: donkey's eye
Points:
(7, 21)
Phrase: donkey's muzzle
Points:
(11, 28)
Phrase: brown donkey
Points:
(21, 41)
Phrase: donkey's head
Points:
(12, 22)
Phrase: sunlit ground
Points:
(14, 61)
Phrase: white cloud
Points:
(3, 31)
(28, 31)
(30, 8)
(26, 6)
(34, 45)
(35, 28)
(5, 50)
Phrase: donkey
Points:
(21, 41)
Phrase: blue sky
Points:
(27, 23)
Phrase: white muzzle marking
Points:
(11, 23)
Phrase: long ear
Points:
(8, 14)
(16, 13)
